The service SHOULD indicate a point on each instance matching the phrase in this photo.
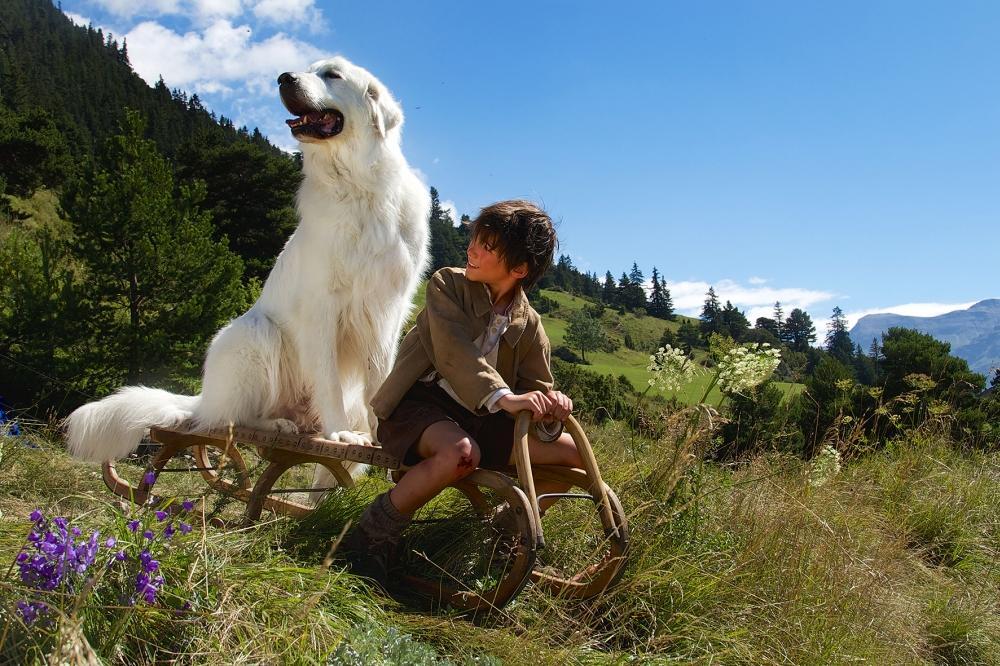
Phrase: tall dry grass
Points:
(893, 559)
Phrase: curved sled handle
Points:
(522, 460)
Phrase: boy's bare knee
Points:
(462, 457)
(572, 454)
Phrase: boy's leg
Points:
(448, 453)
(562, 452)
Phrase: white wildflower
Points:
(824, 466)
(747, 366)
(670, 368)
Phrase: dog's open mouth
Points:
(317, 124)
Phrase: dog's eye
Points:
(330, 74)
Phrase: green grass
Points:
(892, 561)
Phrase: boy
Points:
(477, 356)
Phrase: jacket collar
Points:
(482, 307)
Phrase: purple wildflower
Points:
(149, 565)
(148, 587)
(161, 516)
(149, 478)
(36, 516)
(168, 531)
(185, 528)
(76, 531)
(133, 525)
(187, 505)
(30, 611)
(120, 556)
(148, 534)
(110, 543)
(60, 522)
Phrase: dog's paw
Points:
(280, 425)
(352, 437)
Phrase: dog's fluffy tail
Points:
(113, 427)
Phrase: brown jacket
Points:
(456, 314)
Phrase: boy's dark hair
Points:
(521, 232)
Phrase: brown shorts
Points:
(423, 405)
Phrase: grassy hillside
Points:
(645, 333)
(892, 560)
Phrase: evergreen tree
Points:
(447, 247)
(733, 323)
(637, 293)
(33, 152)
(838, 340)
(875, 354)
(798, 331)
(623, 292)
(39, 319)
(158, 286)
(654, 307)
(609, 291)
(711, 314)
(769, 325)
(690, 336)
(779, 319)
(250, 195)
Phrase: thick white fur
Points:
(321, 338)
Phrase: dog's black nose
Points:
(287, 77)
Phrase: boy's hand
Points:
(536, 401)
(560, 406)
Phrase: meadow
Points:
(890, 557)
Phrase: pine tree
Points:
(158, 286)
(690, 336)
(838, 340)
(636, 293)
(798, 331)
(779, 319)
(447, 248)
(609, 291)
(733, 323)
(711, 314)
(656, 307)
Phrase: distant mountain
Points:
(974, 334)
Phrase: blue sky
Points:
(819, 154)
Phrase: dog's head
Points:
(335, 98)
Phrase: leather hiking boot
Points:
(371, 544)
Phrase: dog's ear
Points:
(385, 112)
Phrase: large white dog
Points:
(322, 337)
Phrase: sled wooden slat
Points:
(308, 443)
(515, 491)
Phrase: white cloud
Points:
(297, 12)
(206, 10)
(757, 280)
(689, 297)
(452, 210)
(221, 56)
(78, 19)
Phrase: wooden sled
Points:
(495, 523)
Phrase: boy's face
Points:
(485, 265)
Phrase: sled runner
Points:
(474, 547)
